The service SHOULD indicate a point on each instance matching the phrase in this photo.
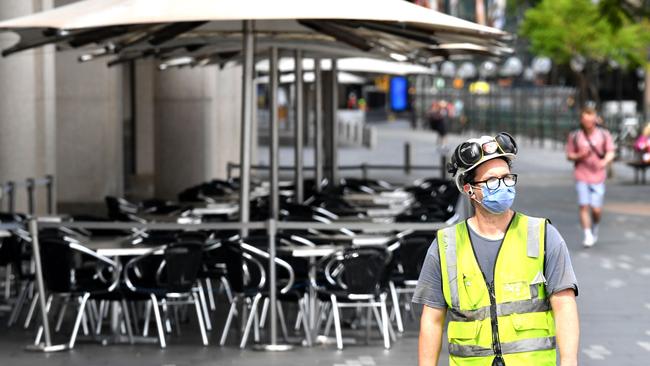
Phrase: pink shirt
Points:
(589, 169)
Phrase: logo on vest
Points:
(516, 290)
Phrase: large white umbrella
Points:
(103, 13)
(218, 30)
(379, 26)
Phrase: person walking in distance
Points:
(591, 148)
(503, 279)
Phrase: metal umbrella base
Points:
(46, 349)
(273, 347)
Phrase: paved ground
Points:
(614, 300)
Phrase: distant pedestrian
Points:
(502, 279)
(642, 144)
(591, 148)
(438, 113)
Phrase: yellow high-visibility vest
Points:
(510, 317)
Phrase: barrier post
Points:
(407, 158)
(50, 193)
(29, 184)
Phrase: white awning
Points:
(351, 65)
(309, 77)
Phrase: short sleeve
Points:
(558, 269)
(428, 291)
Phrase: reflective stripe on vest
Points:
(452, 270)
(509, 308)
(525, 345)
(533, 236)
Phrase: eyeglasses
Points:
(470, 153)
(509, 180)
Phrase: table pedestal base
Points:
(46, 349)
(273, 347)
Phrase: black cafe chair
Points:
(15, 255)
(354, 278)
(167, 276)
(73, 271)
(408, 257)
(246, 272)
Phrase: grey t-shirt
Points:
(558, 270)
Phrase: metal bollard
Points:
(29, 183)
(407, 158)
(11, 195)
(50, 194)
(443, 166)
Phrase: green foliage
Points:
(562, 29)
(617, 11)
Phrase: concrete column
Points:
(197, 121)
(89, 130)
(179, 134)
(27, 108)
(224, 122)
(140, 184)
(144, 86)
(89, 118)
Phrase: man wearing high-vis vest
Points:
(503, 279)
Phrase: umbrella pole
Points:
(46, 345)
(299, 118)
(318, 133)
(246, 126)
(334, 130)
(274, 198)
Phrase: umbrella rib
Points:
(337, 33)
(23, 46)
(131, 57)
(97, 35)
(172, 31)
(401, 30)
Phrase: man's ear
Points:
(467, 188)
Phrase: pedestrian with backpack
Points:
(591, 148)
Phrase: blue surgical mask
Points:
(498, 200)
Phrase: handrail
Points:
(296, 225)
(407, 167)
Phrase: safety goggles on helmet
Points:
(473, 152)
(470, 153)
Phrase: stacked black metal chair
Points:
(247, 262)
(408, 257)
(72, 272)
(354, 278)
(167, 276)
(15, 256)
(435, 201)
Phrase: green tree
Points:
(566, 30)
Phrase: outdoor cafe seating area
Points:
(153, 271)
